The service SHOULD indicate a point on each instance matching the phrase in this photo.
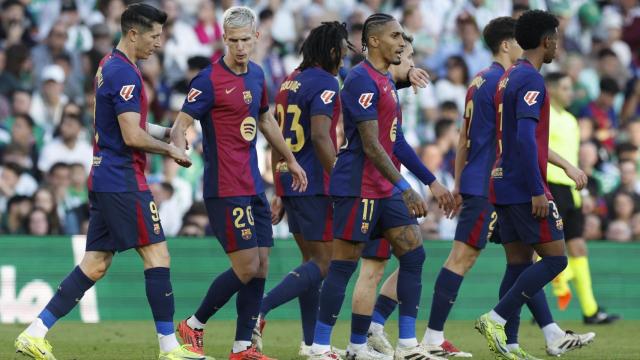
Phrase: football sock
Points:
(160, 297)
(359, 328)
(69, 293)
(532, 280)
(513, 346)
(433, 337)
(409, 290)
(383, 309)
(539, 307)
(37, 328)
(295, 283)
(309, 302)
(552, 332)
(445, 292)
(220, 291)
(168, 342)
(248, 307)
(331, 299)
(240, 346)
(194, 323)
(510, 276)
(582, 281)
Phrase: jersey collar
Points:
(224, 66)
(122, 55)
(497, 64)
(368, 63)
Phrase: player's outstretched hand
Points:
(277, 210)
(457, 198)
(415, 203)
(578, 176)
(180, 156)
(299, 182)
(540, 206)
(446, 202)
(418, 78)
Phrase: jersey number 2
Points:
(296, 128)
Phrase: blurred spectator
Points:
(592, 227)
(601, 110)
(38, 223)
(208, 30)
(618, 231)
(449, 110)
(67, 147)
(454, 86)
(629, 185)
(190, 229)
(14, 24)
(13, 219)
(77, 193)
(24, 141)
(47, 104)
(102, 45)
(164, 196)
(197, 215)
(17, 72)
(447, 136)
(607, 65)
(58, 179)
(44, 200)
(79, 37)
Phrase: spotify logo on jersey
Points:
(248, 128)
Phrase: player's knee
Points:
(412, 261)
(263, 267)
(556, 263)
(372, 273)
(461, 263)
(97, 270)
(408, 239)
(323, 264)
(248, 270)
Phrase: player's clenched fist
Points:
(416, 205)
(540, 206)
(180, 156)
(299, 182)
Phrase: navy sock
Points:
(69, 293)
(160, 296)
(309, 302)
(295, 283)
(532, 280)
(511, 274)
(383, 309)
(248, 307)
(445, 291)
(331, 298)
(220, 291)
(409, 291)
(540, 309)
(359, 328)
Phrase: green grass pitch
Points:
(136, 340)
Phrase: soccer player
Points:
(528, 218)
(371, 198)
(377, 253)
(122, 214)
(564, 139)
(229, 98)
(308, 109)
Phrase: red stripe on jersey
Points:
(278, 184)
(347, 234)
(143, 234)
(232, 243)
(383, 249)
(327, 234)
(474, 236)
(545, 231)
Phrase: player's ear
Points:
(257, 35)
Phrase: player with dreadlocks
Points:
(372, 200)
(308, 108)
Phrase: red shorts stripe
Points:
(327, 234)
(143, 234)
(348, 229)
(232, 244)
(545, 231)
(474, 236)
(383, 249)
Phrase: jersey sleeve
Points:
(360, 98)
(200, 98)
(323, 97)
(264, 98)
(127, 91)
(530, 98)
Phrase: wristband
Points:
(402, 185)
(156, 131)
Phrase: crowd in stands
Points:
(50, 50)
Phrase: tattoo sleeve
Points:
(375, 152)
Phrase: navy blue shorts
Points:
(121, 221)
(361, 220)
(310, 216)
(477, 222)
(240, 222)
(517, 224)
(379, 249)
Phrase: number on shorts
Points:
(554, 210)
(494, 219)
(238, 213)
(155, 216)
(368, 205)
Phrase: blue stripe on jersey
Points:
(211, 151)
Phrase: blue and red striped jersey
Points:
(367, 95)
(303, 95)
(521, 94)
(480, 121)
(229, 106)
(119, 89)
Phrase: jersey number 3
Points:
(296, 127)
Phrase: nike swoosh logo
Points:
(77, 300)
(335, 316)
(229, 91)
(42, 352)
(525, 295)
(168, 294)
(254, 318)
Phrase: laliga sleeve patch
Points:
(365, 100)
(193, 95)
(530, 97)
(327, 96)
(127, 92)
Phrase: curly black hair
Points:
(316, 48)
(498, 30)
(533, 26)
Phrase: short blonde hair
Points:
(239, 16)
